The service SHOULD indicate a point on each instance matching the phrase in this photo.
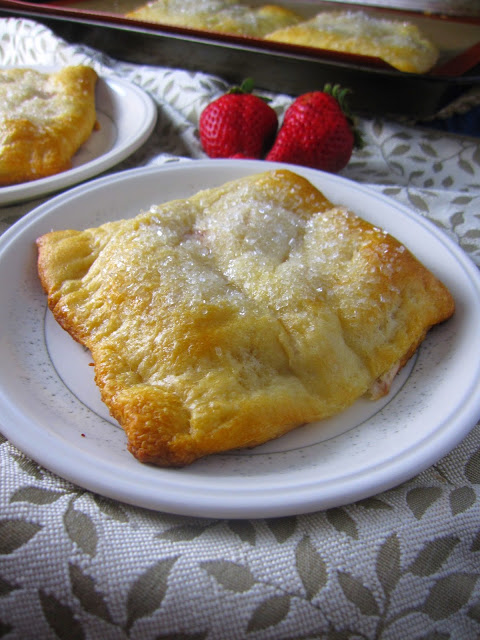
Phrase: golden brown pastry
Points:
(223, 16)
(44, 119)
(227, 319)
(400, 44)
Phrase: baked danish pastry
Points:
(399, 43)
(44, 120)
(223, 16)
(227, 319)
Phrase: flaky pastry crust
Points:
(222, 16)
(44, 120)
(229, 318)
(397, 42)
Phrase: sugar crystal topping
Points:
(32, 98)
(250, 251)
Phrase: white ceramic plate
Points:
(49, 405)
(126, 115)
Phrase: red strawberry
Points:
(238, 124)
(316, 132)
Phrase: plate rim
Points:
(252, 505)
(26, 191)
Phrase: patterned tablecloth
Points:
(401, 565)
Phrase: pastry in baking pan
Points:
(224, 16)
(44, 119)
(399, 43)
(229, 318)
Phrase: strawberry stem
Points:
(340, 94)
(247, 87)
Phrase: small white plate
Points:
(126, 116)
(49, 405)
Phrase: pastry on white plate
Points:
(44, 120)
(229, 318)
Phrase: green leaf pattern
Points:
(61, 618)
(83, 587)
(269, 613)
(358, 594)
(230, 575)
(148, 590)
(311, 567)
(420, 499)
(36, 495)
(244, 530)
(433, 555)
(81, 530)
(282, 528)
(15, 533)
(343, 521)
(402, 564)
(388, 564)
(449, 594)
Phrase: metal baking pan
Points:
(377, 88)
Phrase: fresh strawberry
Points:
(316, 132)
(238, 124)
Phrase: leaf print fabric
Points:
(404, 564)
